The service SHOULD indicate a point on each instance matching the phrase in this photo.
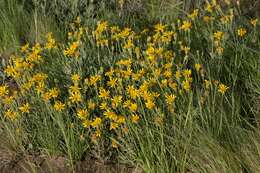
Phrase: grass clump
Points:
(179, 96)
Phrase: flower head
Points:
(241, 32)
(25, 108)
(59, 106)
(222, 88)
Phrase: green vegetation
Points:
(165, 86)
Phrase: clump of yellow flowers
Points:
(149, 75)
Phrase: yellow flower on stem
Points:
(116, 100)
(159, 27)
(103, 106)
(54, 92)
(135, 118)
(96, 122)
(149, 104)
(94, 79)
(254, 22)
(25, 108)
(241, 32)
(3, 90)
(82, 114)
(198, 67)
(75, 78)
(132, 107)
(218, 35)
(75, 97)
(114, 144)
(222, 88)
(112, 82)
(10, 114)
(133, 93)
(120, 120)
(170, 98)
(186, 85)
(104, 94)
(59, 106)
(186, 26)
(194, 14)
(86, 123)
(110, 115)
(187, 73)
(113, 126)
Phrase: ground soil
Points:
(10, 163)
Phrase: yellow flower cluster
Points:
(149, 76)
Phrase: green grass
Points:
(220, 135)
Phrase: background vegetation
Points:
(221, 135)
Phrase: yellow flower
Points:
(187, 73)
(170, 98)
(178, 74)
(72, 49)
(54, 92)
(159, 27)
(114, 144)
(39, 77)
(167, 73)
(186, 49)
(82, 114)
(133, 93)
(198, 67)
(74, 88)
(208, 8)
(78, 20)
(104, 94)
(46, 96)
(94, 79)
(129, 44)
(103, 106)
(8, 100)
(3, 90)
(24, 108)
(50, 41)
(254, 22)
(207, 84)
(164, 82)
(173, 85)
(10, 114)
(149, 104)
(96, 122)
(186, 85)
(222, 88)
(241, 32)
(112, 82)
(24, 48)
(113, 126)
(86, 123)
(120, 119)
(59, 106)
(218, 35)
(110, 115)
(132, 107)
(75, 77)
(194, 14)
(186, 26)
(116, 100)
(75, 97)
(135, 118)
